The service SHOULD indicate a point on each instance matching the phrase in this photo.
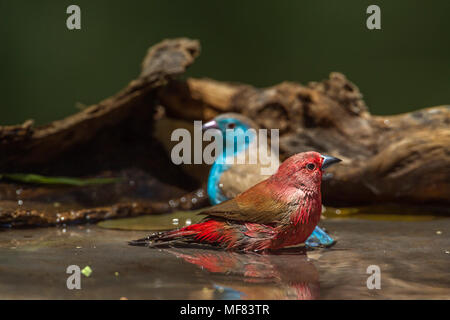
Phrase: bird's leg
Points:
(319, 238)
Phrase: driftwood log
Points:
(113, 138)
(387, 159)
(402, 159)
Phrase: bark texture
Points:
(113, 138)
(402, 158)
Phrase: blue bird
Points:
(227, 179)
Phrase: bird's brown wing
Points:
(257, 205)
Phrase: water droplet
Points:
(172, 203)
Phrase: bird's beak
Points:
(329, 161)
(210, 125)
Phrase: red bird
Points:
(280, 211)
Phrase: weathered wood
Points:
(403, 158)
(106, 139)
(133, 108)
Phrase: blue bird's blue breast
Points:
(214, 192)
(220, 166)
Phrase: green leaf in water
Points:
(38, 179)
(87, 271)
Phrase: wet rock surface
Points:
(414, 259)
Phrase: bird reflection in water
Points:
(287, 274)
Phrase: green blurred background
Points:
(47, 69)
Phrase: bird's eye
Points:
(311, 166)
(231, 125)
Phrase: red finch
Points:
(280, 211)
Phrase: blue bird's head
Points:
(233, 126)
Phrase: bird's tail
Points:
(209, 231)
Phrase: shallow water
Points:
(414, 258)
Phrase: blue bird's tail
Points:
(319, 238)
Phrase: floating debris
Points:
(87, 271)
